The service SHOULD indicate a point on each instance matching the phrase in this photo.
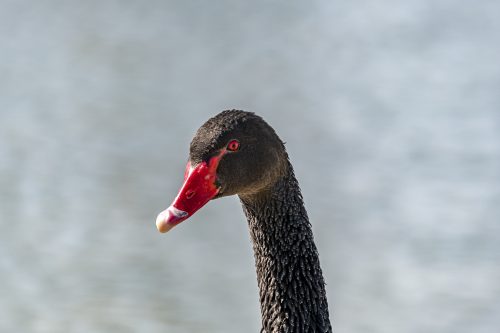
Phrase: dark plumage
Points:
(290, 280)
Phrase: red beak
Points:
(198, 188)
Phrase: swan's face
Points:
(234, 152)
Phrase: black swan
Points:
(237, 152)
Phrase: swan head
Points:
(235, 152)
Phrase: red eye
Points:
(233, 145)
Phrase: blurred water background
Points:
(390, 111)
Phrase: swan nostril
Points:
(190, 194)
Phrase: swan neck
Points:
(289, 276)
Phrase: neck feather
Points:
(292, 289)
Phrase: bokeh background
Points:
(391, 114)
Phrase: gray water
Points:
(390, 111)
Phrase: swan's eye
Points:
(233, 145)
